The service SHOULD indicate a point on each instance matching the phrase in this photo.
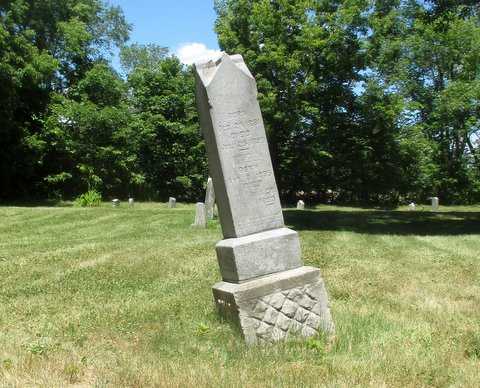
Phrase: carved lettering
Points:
(241, 145)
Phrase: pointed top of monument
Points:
(207, 69)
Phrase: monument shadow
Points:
(386, 222)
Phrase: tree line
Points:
(376, 101)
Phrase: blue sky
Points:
(184, 26)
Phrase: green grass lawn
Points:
(110, 297)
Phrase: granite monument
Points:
(265, 288)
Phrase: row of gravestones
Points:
(203, 211)
(206, 211)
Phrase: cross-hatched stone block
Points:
(277, 300)
(301, 315)
(305, 301)
(289, 308)
(268, 314)
(283, 322)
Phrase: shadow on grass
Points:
(40, 203)
(386, 222)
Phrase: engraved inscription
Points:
(241, 144)
(237, 131)
(239, 137)
(242, 140)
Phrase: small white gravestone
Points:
(329, 196)
(116, 202)
(301, 205)
(172, 202)
(131, 201)
(411, 206)
(200, 215)
(435, 203)
(210, 199)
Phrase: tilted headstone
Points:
(301, 205)
(172, 202)
(200, 215)
(435, 203)
(265, 286)
(210, 199)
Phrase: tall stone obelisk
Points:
(265, 286)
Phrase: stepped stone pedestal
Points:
(275, 306)
(265, 288)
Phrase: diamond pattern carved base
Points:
(273, 307)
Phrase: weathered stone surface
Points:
(265, 288)
(283, 322)
(289, 308)
(256, 305)
(115, 202)
(277, 300)
(238, 155)
(301, 315)
(131, 202)
(200, 216)
(301, 205)
(210, 199)
(435, 203)
(172, 202)
(270, 316)
(259, 254)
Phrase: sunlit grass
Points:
(122, 297)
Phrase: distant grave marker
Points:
(200, 215)
(210, 199)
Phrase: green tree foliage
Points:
(376, 99)
(427, 53)
(308, 57)
(46, 47)
(93, 137)
(25, 76)
(172, 153)
(136, 56)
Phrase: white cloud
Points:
(189, 53)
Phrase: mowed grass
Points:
(121, 297)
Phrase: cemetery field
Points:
(110, 297)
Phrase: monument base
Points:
(275, 306)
